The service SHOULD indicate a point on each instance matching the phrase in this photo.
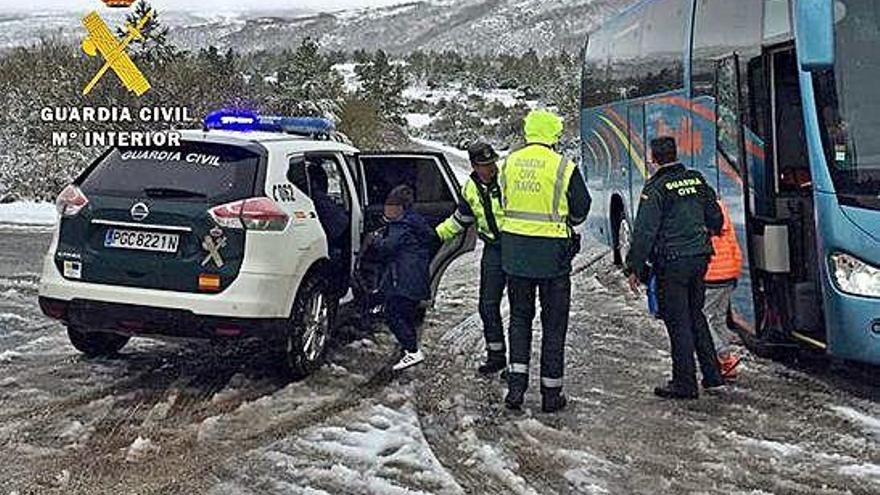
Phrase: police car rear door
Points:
(148, 217)
(438, 190)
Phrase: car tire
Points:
(96, 344)
(309, 328)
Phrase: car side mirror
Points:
(814, 28)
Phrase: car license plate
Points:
(140, 240)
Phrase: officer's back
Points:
(679, 213)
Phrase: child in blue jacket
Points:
(405, 250)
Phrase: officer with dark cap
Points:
(678, 214)
(481, 206)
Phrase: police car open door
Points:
(437, 193)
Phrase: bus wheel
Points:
(624, 241)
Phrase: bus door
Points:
(636, 172)
(730, 167)
(783, 223)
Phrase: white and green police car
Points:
(218, 238)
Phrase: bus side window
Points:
(740, 32)
(595, 90)
(624, 59)
(662, 60)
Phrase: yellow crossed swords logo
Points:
(213, 243)
(100, 39)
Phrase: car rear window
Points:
(216, 172)
(421, 173)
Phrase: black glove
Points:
(574, 246)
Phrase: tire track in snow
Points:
(471, 456)
(186, 464)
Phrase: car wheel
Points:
(96, 344)
(624, 239)
(309, 328)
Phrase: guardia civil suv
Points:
(219, 238)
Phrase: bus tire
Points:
(96, 344)
(309, 328)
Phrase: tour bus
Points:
(776, 103)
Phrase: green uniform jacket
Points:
(480, 204)
(678, 214)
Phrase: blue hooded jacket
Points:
(405, 248)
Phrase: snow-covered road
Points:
(196, 418)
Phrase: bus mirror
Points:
(814, 28)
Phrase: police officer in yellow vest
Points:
(544, 197)
(481, 205)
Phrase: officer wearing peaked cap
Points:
(481, 206)
(544, 196)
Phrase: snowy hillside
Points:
(472, 26)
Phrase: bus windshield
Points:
(849, 105)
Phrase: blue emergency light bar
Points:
(246, 121)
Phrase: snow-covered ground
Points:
(459, 93)
(349, 77)
(197, 418)
(28, 213)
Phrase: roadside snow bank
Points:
(28, 213)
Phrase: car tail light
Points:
(253, 214)
(71, 201)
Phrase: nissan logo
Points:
(140, 211)
(876, 327)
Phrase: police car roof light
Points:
(245, 120)
(232, 120)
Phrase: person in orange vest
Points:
(725, 268)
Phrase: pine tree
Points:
(307, 82)
(382, 84)
(154, 47)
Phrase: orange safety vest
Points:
(726, 264)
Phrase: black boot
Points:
(495, 362)
(516, 390)
(552, 402)
(671, 391)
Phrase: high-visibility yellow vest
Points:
(458, 222)
(534, 185)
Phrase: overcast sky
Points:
(212, 5)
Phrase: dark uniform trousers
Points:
(492, 282)
(555, 296)
(400, 313)
(681, 294)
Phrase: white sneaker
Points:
(409, 359)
